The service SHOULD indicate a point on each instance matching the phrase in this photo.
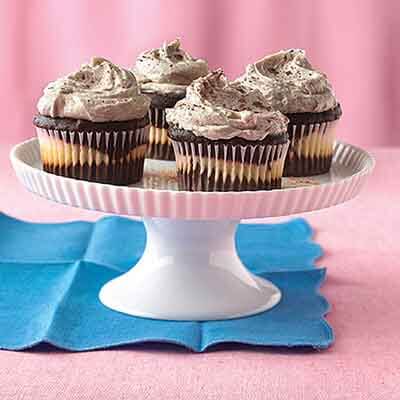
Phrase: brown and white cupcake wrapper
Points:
(311, 148)
(226, 167)
(160, 147)
(108, 157)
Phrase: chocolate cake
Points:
(312, 140)
(93, 124)
(159, 147)
(305, 96)
(164, 74)
(226, 138)
(228, 165)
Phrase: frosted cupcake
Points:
(164, 74)
(292, 86)
(92, 125)
(226, 138)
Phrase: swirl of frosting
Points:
(290, 83)
(216, 109)
(100, 92)
(170, 65)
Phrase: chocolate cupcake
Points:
(227, 138)
(305, 96)
(92, 125)
(164, 74)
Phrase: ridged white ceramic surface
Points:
(157, 195)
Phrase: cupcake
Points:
(226, 137)
(92, 124)
(305, 96)
(164, 74)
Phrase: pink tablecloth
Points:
(361, 240)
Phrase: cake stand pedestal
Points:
(190, 269)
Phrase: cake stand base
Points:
(189, 270)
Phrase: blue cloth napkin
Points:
(51, 274)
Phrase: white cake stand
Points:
(190, 269)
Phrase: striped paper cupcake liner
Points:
(311, 148)
(229, 167)
(115, 157)
(160, 147)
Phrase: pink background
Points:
(354, 42)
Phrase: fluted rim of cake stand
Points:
(165, 203)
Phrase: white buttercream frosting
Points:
(290, 83)
(99, 91)
(217, 109)
(168, 68)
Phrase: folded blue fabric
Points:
(51, 274)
